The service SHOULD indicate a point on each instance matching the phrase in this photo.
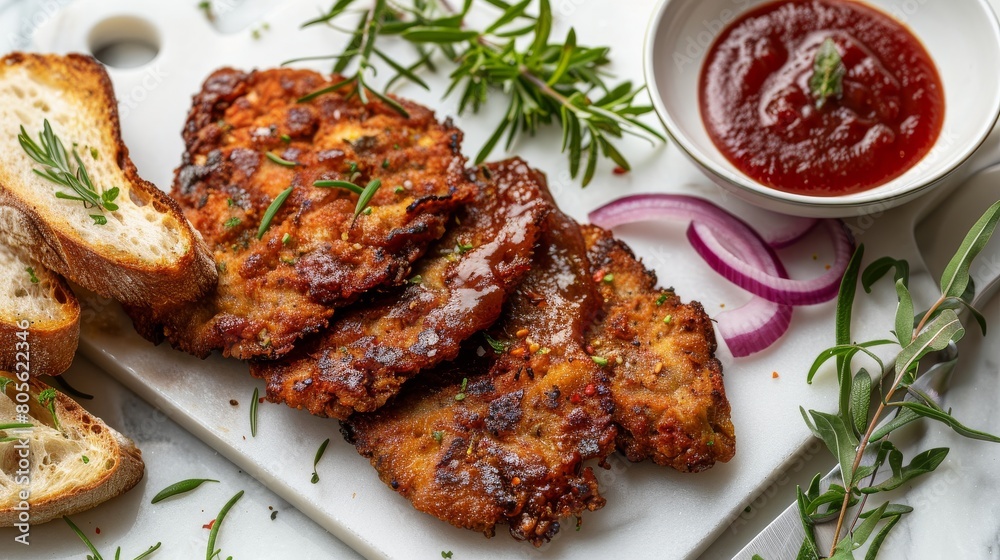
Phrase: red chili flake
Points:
(619, 170)
(599, 275)
(97, 530)
(590, 349)
(260, 400)
(208, 525)
(575, 399)
(589, 390)
(774, 375)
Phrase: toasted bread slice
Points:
(39, 317)
(73, 468)
(147, 253)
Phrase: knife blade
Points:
(937, 236)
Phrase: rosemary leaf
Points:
(272, 209)
(179, 488)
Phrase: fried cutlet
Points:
(670, 403)
(249, 137)
(458, 288)
(501, 438)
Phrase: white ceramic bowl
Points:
(962, 37)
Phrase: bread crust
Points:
(50, 345)
(123, 476)
(119, 277)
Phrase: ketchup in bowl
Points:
(761, 107)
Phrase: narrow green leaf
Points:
(543, 26)
(845, 301)
(253, 412)
(335, 10)
(487, 148)
(892, 510)
(903, 417)
(271, 211)
(564, 59)
(861, 395)
(325, 184)
(845, 352)
(508, 16)
(366, 196)
(880, 537)
(839, 439)
(809, 548)
(588, 173)
(328, 89)
(956, 274)
(402, 70)
(179, 488)
(861, 534)
(947, 419)
(438, 34)
(396, 105)
(319, 455)
(83, 537)
(921, 464)
(936, 336)
(827, 79)
(877, 269)
(279, 160)
(904, 314)
(214, 533)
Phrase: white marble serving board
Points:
(651, 511)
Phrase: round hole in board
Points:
(124, 41)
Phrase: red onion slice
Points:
(769, 286)
(786, 231)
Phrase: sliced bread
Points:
(39, 317)
(74, 467)
(146, 254)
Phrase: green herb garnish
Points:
(232, 222)
(319, 455)
(279, 160)
(417, 279)
(253, 412)
(438, 436)
(662, 299)
(446, 554)
(52, 155)
(608, 278)
(47, 398)
(271, 211)
(286, 138)
(461, 392)
(667, 319)
(545, 81)
(463, 248)
(599, 360)
(31, 274)
(94, 554)
(828, 73)
(181, 487)
(854, 428)
(497, 346)
(85, 459)
(365, 194)
(56, 167)
(214, 533)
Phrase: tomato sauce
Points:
(759, 110)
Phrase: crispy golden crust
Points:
(459, 288)
(670, 403)
(315, 256)
(510, 448)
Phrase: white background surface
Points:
(651, 513)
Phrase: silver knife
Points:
(937, 237)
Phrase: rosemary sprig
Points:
(94, 554)
(50, 152)
(253, 412)
(854, 429)
(546, 82)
